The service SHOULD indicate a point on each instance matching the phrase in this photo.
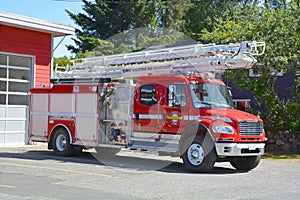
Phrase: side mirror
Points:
(230, 93)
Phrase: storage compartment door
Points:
(86, 119)
(39, 117)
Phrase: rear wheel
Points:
(245, 163)
(198, 156)
(61, 143)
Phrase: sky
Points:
(49, 10)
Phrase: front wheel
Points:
(245, 163)
(198, 156)
(61, 143)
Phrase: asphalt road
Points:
(35, 173)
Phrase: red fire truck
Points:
(160, 100)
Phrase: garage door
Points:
(15, 76)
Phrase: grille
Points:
(250, 128)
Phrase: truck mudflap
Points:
(240, 149)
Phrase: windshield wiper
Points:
(204, 102)
(215, 104)
(223, 104)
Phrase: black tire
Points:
(198, 156)
(107, 151)
(77, 150)
(245, 163)
(61, 143)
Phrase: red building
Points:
(26, 50)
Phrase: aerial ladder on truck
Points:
(84, 109)
(196, 57)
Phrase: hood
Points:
(225, 113)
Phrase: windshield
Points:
(207, 95)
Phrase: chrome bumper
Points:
(240, 149)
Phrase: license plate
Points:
(252, 147)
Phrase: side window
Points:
(176, 95)
(148, 95)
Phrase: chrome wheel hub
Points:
(195, 154)
(61, 142)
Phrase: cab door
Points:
(146, 110)
(175, 108)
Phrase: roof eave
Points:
(19, 21)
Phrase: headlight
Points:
(222, 129)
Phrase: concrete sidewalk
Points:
(23, 148)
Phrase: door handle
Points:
(164, 117)
(137, 116)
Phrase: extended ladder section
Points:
(197, 57)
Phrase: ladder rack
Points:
(197, 57)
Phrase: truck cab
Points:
(197, 106)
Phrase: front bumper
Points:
(240, 149)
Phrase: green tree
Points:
(203, 14)
(101, 20)
(61, 62)
(279, 28)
